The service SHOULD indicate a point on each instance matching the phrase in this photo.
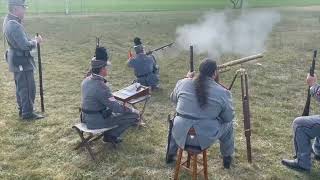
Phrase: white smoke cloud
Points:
(227, 32)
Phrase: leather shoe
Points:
(32, 116)
(112, 139)
(227, 162)
(293, 164)
(171, 159)
(316, 157)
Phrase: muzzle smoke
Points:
(227, 32)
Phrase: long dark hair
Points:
(206, 70)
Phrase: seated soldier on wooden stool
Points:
(99, 108)
(145, 66)
(203, 104)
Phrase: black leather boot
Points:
(227, 162)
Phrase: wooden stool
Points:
(193, 154)
(93, 135)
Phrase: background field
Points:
(94, 6)
(44, 149)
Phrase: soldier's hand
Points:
(38, 39)
(135, 111)
(190, 74)
(149, 53)
(311, 80)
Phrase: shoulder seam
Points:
(13, 23)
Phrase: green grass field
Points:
(76, 6)
(44, 149)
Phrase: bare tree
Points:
(66, 5)
(237, 4)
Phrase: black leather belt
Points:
(144, 75)
(20, 53)
(187, 116)
(104, 112)
(92, 112)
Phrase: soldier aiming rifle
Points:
(144, 65)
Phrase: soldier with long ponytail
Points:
(202, 104)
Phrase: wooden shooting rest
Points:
(133, 95)
(245, 107)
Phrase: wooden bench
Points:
(93, 135)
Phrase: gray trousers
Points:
(305, 129)
(25, 91)
(225, 136)
(151, 80)
(123, 121)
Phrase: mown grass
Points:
(94, 6)
(44, 149)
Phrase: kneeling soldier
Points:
(145, 66)
(99, 108)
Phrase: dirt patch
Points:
(2, 125)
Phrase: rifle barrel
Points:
(40, 76)
(191, 59)
(315, 52)
(160, 48)
(306, 110)
(163, 47)
(170, 121)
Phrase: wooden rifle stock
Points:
(306, 110)
(170, 121)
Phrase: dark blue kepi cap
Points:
(95, 64)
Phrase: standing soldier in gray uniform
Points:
(99, 108)
(145, 66)
(206, 106)
(305, 129)
(20, 61)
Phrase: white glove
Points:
(190, 74)
(135, 111)
(38, 39)
(34, 53)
